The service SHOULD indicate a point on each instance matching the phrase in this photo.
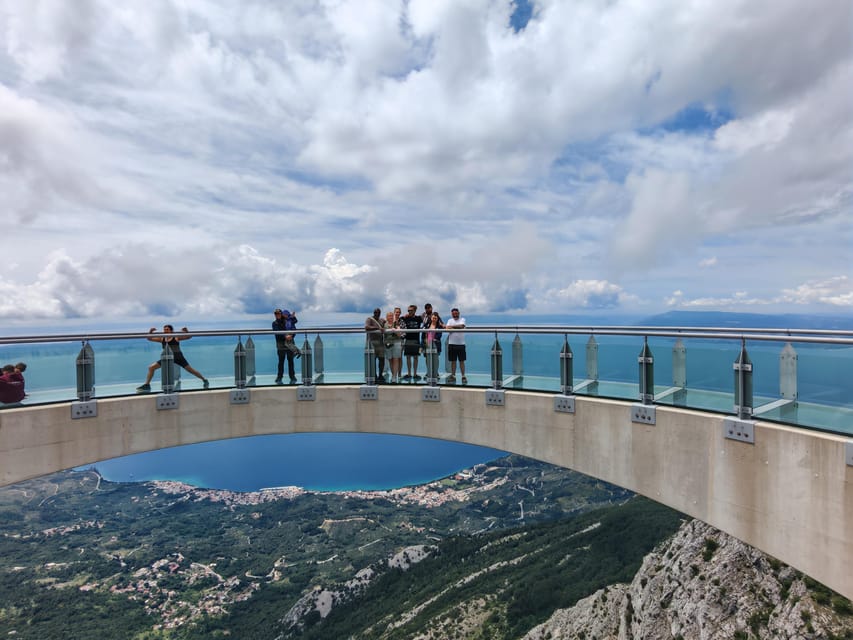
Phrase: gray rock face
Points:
(703, 584)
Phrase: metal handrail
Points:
(819, 336)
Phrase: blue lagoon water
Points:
(316, 461)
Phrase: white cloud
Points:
(446, 156)
(833, 294)
(837, 291)
(592, 294)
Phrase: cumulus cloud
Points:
(591, 294)
(832, 294)
(44, 161)
(445, 154)
(136, 280)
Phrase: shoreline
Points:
(470, 471)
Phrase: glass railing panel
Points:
(824, 374)
(805, 414)
(821, 378)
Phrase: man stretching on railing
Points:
(180, 360)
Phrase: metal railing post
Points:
(497, 356)
(167, 369)
(646, 363)
(566, 368)
(431, 357)
(86, 372)
(318, 356)
(307, 363)
(369, 363)
(240, 364)
(517, 356)
(743, 383)
(250, 361)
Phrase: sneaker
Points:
(451, 379)
(417, 377)
(278, 380)
(143, 388)
(464, 380)
(293, 381)
(407, 377)
(205, 383)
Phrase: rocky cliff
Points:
(706, 585)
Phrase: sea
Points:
(351, 461)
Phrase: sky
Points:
(204, 158)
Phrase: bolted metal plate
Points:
(368, 392)
(564, 404)
(643, 413)
(742, 430)
(167, 401)
(431, 394)
(849, 453)
(87, 409)
(240, 396)
(306, 392)
(495, 397)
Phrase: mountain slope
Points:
(705, 584)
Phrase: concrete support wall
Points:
(790, 494)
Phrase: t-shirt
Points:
(413, 322)
(455, 337)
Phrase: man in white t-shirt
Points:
(456, 344)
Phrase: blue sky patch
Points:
(521, 14)
(696, 118)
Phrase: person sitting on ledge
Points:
(12, 384)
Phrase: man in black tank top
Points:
(174, 342)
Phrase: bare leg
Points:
(194, 372)
(154, 366)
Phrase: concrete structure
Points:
(789, 494)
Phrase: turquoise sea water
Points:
(352, 461)
(316, 461)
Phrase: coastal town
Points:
(459, 487)
(176, 590)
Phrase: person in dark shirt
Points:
(411, 341)
(285, 343)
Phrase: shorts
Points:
(378, 348)
(180, 360)
(456, 352)
(412, 349)
(394, 349)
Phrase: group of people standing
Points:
(12, 383)
(392, 337)
(411, 335)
